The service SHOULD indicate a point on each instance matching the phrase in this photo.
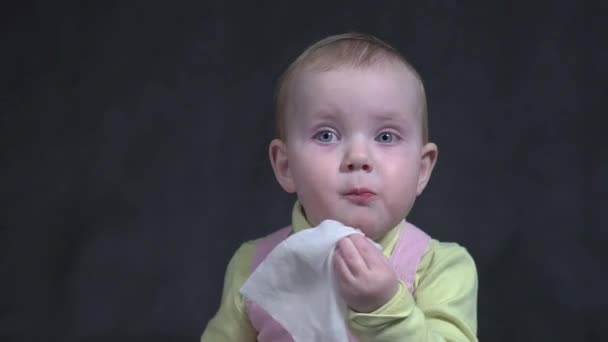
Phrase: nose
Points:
(356, 157)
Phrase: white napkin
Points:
(295, 284)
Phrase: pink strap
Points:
(259, 318)
(267, 244)
(409, 250)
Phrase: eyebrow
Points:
(329, 114)
(326, 112)
(326, 116)
(386, 115)
(390, 116)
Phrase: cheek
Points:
(315, 178)
(400, 176)
(312, 162)
(399, 164)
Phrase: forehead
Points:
(382, 88)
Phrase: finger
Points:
(351, 256)
(342, 271)
(368, 252)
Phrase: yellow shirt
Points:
(443, 308)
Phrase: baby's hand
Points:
(365, 277)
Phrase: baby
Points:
(353, 145)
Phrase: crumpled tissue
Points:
(295, 284)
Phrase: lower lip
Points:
(362, 197)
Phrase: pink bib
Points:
(410, 248)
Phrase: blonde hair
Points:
(348, 49)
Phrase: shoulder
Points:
(447, 251)
(447, 285)
(446, 258)
(247, 249)
(244, 254)
(239, 266)
(241, 262)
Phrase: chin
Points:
(374, 234)
(369, 229)
(363, 223)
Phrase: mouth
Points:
(360, 195)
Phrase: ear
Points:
(280, 165)
(429, 158)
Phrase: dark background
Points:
(133, 156)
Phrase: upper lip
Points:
(359, 191)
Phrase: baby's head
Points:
(352, 126)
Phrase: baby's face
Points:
(354, 148)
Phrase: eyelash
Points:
(392, 134)
(318, 135)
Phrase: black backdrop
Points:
(134, 162)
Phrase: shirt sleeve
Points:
(231, 322)
(443, 307)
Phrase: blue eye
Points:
(326, 136)
(386, 137)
